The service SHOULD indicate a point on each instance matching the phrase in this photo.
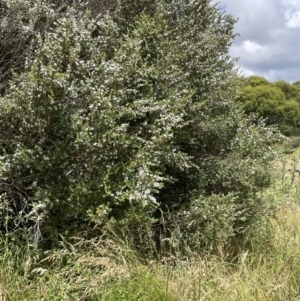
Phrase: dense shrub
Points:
(108, 125)
(278, 102)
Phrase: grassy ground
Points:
(109, 271)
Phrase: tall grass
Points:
(110, 269)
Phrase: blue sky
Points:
(269, 41)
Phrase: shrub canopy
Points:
(123, 116)
(278, 102)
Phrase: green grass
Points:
(108, 270)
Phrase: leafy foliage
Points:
(123, 119)
(277, 102)
(290, 91)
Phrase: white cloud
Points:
(269, 41)
(253, 48)
(294, 20)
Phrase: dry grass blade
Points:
(4, 295)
